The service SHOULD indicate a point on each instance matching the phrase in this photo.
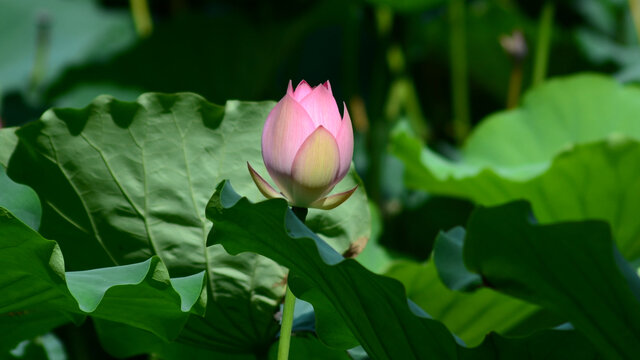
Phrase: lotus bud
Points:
(307, 148)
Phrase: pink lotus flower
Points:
(307, 148)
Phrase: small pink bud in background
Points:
(307, 148)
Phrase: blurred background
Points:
(435, 66)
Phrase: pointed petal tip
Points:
(345, 112)
(290, 88)
(333, 201)
(267, 190)
(303, 89)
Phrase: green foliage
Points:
(309, 347)
(148, 168)
(348, 299)
(471, 316)
(121, 182)
(45, 347)
(330, 284)
(448, 258)
(574, 287)
(110, 237)
(593, 287)
(38, 294)
(571, 150)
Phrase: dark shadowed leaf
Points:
(471, 316)
(38, 295)
(447, 256)
(350, 302)
(572, 269)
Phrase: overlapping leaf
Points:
(123, 181)
(572, 150)
(21, 200)
(38, 295)
(471, 316)
(572, 269)
(348, 299)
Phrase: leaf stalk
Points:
(544, 42)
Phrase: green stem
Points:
(460, 90)
(544, 42)
(287, 325)
(515, 84)
(635, 13)
(300, 212)
(289, 305)
(141, 17)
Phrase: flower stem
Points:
(287, 324)
(300, 212)
(515, 83)
(635, 13)
(141, 17)
(544, 41)
(289, 305)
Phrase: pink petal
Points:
(303, 89)
(267, 190)
(289, 89)
(345, 144)
(330, 202)
(328, 86)
(314, 168)
(286, 129)
(322, 108)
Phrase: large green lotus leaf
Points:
(126, 180)
(78, 30)
(471, 316)
(34, 295)
(124, 341)
(547, 344)
(307, 346)
(572, 269)
(572, 150)
(343, 293)
(38, 295)
(350, 302)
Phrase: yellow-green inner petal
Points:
(315, 166)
